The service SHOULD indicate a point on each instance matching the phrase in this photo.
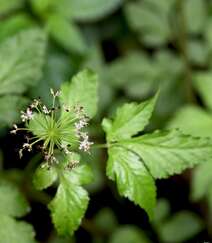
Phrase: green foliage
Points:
(81, 91)
(9, 6)
(187, 223)
(166, 226)
(151, 20)
(12, 231)
(136, 48)
(12, 201)
(21, 67)
(132, 178)
(13, 204)
(66, 34)
(134, 162)
(169, 152)
(128, 234)
(130, 119)
(71, 200)
(44, 177)
(14, 24)
(202, 180)
(203, 84)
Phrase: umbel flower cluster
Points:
(59, 128)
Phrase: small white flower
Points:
(35, 103)
(28, 115)
(85, 144)
(82, 123)
(55, 94)
(27, 146)
(14, 131)
(45, 110)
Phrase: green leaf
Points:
(66, 34)
(71, 200)
(203, 84)
(130, 119)
(161, 212)
(21, 61)
(44, 177)
(85, 10)
(8, 6)
(129, 234)
(166, 153)
(185, 223)
(201, 124)
(10, 107)
(12, 231)
(14, 24)
(12, 202)
(201, 180)
(195, 15)
(105, 220)
(132, 178)
(81, 91)
(151, 20)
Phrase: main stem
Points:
(183, 47)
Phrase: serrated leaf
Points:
(166, 153)
(203, 83)
(12, 231)
(129, 234)
(71, 201)
(44, 177)
(12, 202)
(81, 91)
(130, 119)
(66, 34)
(21, 61)
(8, 6)
(10, 106)
(185, 222)
(201, 180)
(132, 178)
(200, 126)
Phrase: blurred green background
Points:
(136, 47)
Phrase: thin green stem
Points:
(183, 48)
(96, 146)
